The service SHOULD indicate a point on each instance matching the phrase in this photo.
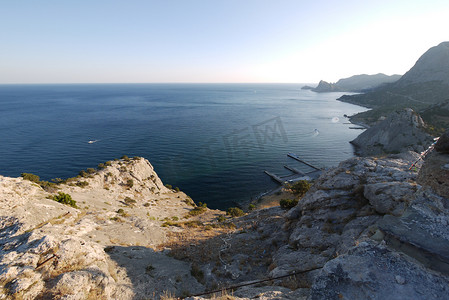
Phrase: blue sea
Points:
(213, 141)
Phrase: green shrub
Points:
(129, 201)
(48, 186)
(82, 184)
(177, 189)
(221, 219)
(130, 183)
(91, 171)
(168, 186)
(82, 173)
(65, 199)
(31, 177)
(101, 166)
(108, 163)
(235, 212)
(59, 180)
(125, 158)
(251, 207)
(300, 188)
(197, 211)
(288, 203)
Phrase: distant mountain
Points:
(356, 83)
(363, 82)
(431, 66)
(425, 84)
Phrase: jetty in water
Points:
(294, 156)
(275, 177)
(303, 175)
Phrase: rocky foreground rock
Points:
(366, 230)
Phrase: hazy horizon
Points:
(198, 41)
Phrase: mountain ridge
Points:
(355, 83)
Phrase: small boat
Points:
(91, 142)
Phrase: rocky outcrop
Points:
(365, 229)
(326, 87)
(371, 232)
(401, 131)
(103, 249)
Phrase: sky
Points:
(221, 41)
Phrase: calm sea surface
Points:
(212, 140)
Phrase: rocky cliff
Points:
(403, 130)
(366, 229)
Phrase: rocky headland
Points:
(402, 130)
(354, 84)
(369, 228)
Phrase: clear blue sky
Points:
(89, 41)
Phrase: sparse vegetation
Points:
(235, 212)
(130, 183)
(288, 203)
(198, 210)
(82, 184)
(221, 219)
(129, 201)
(31, 177)
(300, 188)
(189, 201)
(65, 199)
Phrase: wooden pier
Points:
(275, 177)
(294, 170)
(294, 156)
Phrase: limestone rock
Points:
(389, 197)
(371, 271)
(401, 131)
